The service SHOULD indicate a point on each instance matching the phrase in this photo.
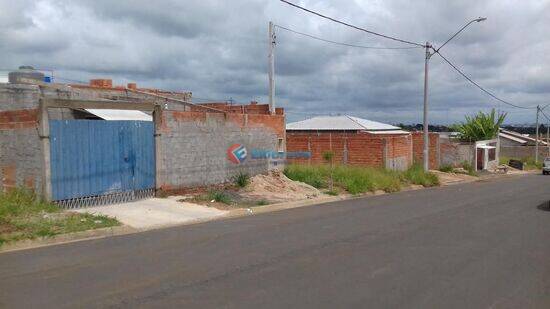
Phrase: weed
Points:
(241, 180)
(313, 175)
(24, 216)
(469, 168)
(219, 196)
(332, 192)
(416, 175)
(262, 203)
(446, 168)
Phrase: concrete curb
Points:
(236, 213)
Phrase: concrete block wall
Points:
(354, 148)
(193, 147)
(455, 153)
(21, 157)
(523, 152)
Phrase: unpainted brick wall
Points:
(354, 148)
(418, 147)
(194, 146)
(20, 147)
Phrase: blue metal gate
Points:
(97, 161)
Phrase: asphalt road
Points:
(478, 245)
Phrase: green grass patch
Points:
(359, 179)
(219, 196)
(528, 163)
(416, 175)
(262, 203)
(24, 216)
(446, 168)
(314, 175)
(469, 168)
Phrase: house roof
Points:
(117, 114)
(341, 123)
(518, 137)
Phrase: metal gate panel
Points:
(92, 158)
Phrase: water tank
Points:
(25, 75)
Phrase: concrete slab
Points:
(156, 212)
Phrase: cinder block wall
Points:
(523, 152)
(354, 148)
(193, 146)
(21, 157)
(455, 153)
(418, 147)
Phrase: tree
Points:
(481, 126)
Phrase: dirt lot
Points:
(272, 188)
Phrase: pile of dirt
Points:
(276, 187)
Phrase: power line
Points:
(545, 116)
(478, 86)
(352, 26)
(340, 43)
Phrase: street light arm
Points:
(479, 19)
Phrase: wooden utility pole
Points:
(271, 58)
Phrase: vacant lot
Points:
(357, 180)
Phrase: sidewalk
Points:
(156, 212)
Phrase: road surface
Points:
(477, 245)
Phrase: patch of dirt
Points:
(276, 187)
(452, 178)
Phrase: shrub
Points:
(416, 175)
(262, 202)
(219, 196)
(241, 180)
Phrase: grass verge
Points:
(357, 180)
(24, 216)
(528, 163)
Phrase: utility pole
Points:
(271, 58)
(537, 137)
(426, 149)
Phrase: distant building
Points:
(353, 141)
(511, 138)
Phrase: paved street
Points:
(477, 245)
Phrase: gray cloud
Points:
(218, 50)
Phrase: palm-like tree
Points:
(481, 126)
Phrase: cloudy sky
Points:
(218, 50)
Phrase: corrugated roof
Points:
(518, 137)
(388, 132)
(337, 123)
(117, 114)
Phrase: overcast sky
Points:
(218, 50)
